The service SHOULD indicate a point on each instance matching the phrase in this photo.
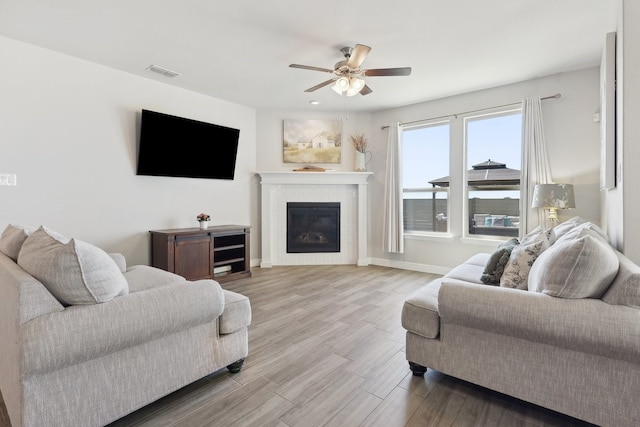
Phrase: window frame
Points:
(466, 189)
(446, 190)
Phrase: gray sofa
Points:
(117, 340)
(568, 340)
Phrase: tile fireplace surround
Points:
(347, 188)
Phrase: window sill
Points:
(433, 237)
(483, 241)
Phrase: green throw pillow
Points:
(498, 260)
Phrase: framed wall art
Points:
(312, 141)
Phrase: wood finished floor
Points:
(326, 348)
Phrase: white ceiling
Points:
(240, 50)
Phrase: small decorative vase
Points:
(360, 161)
(204, 225)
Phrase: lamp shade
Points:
(557, 196)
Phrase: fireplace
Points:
(350, 189)
(313, 227)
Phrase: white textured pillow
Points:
(587, 228)
(562, 228)
(75, 272)
(540, 234)
(12, 239)
(516, 273)
(575, 268)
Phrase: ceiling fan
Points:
(348, 76)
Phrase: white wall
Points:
(572, 139)
(269, 154)
(623, 203)
(69, 129)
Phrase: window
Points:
(493, 145)
(425, 151)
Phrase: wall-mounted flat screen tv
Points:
(180, 147)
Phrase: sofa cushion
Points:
(142, 277)
(575, 268)
(478, 259)
(75, 272)
(497, 262)
(516, 273)
(470, 270)
(12, 239)
(625, 289)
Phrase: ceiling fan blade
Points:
(402, 71)
(366, 90)
(308, 67)
(318, 86)
(358, 55)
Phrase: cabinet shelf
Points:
(226, 248)
(227, 261)
(196, 254)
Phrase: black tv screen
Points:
(180, 147)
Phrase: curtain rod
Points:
(556, 96)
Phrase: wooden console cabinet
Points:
(219, 252)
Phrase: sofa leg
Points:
(235, 367)
(418, 370)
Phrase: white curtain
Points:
(535, 162)
(393, 238)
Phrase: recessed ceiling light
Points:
(314, 102)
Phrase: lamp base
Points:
(552, 218)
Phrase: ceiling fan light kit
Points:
(348, 78)
(348, 86)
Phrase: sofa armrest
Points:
(236, 314)
(82, 333)
(586, 325)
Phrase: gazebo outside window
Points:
(494, 201)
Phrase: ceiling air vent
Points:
(163, 71)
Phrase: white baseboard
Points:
(413, 266)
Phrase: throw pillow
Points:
(75, 272)
(587, 228)
(579, 268)
(562, 228)
(522, 257)
(539, 233)
(497, 261)
(625, 289)
(12, 239)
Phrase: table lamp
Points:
(552, 197)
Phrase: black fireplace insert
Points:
(313, 227)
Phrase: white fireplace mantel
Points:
(348, 187)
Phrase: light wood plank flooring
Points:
(327, 349)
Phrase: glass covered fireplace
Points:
(313, 227)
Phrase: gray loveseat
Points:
(85, 351)
(573, 347)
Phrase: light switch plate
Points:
(8, 179)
